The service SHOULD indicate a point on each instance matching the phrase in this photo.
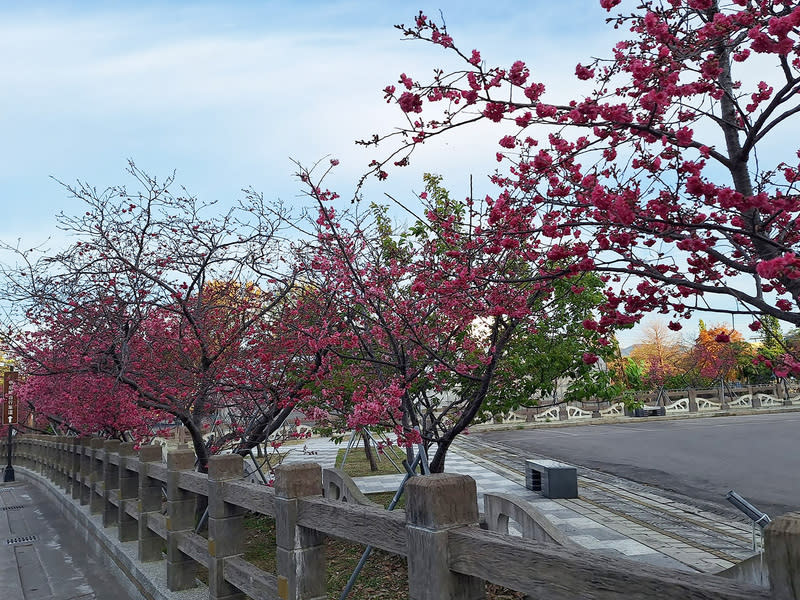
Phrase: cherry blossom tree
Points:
(423, 316)
(673, 171)
(160, 307)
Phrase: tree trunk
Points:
(198, 443)
(373, 465)
(437, 463)
(267, 423)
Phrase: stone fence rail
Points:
(690, 400)
(448, 554)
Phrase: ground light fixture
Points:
(759, 518)
(756, 516)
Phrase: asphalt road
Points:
(756, 455)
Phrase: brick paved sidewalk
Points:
(674, 527)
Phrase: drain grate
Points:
(25, 539)
(12, 507)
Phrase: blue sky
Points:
(227, 94)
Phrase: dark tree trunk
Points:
(373, 465)
(437, 462)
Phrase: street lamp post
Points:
(8, 377)
(8, 472)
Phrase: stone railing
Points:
(151, 506)
(767, 396)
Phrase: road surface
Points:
(756, 455)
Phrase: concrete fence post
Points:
(45, 452)
(60, 471)
(128, 486)
(63, 464)
(37, 456)
(75, 467)
(225, 525)
(436, 504)
(110, 482)
(692, 400)
(782, 547)
(300, 551)
(96, 475)
(723, 399)
(181, 506)
(52, 459)
(67, 449)
(32, 450)
(149, 502)
(42, 457)
(86, 470)
(785, 395)
(55, 461)
(20, 449)
(755, 399)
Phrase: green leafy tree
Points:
(559, 349)
(772, 342)
(634, 373)
(558, 352)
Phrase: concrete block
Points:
(297, 480)
(782, 546)
(441, 500)
(150, 454)
(552, 478)
(225, 466)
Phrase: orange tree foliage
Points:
(720, 351)
(661, 355)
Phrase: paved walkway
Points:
(41, 558)
(701, 537)
(611, 515)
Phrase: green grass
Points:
(384, 498)
(357, 464)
